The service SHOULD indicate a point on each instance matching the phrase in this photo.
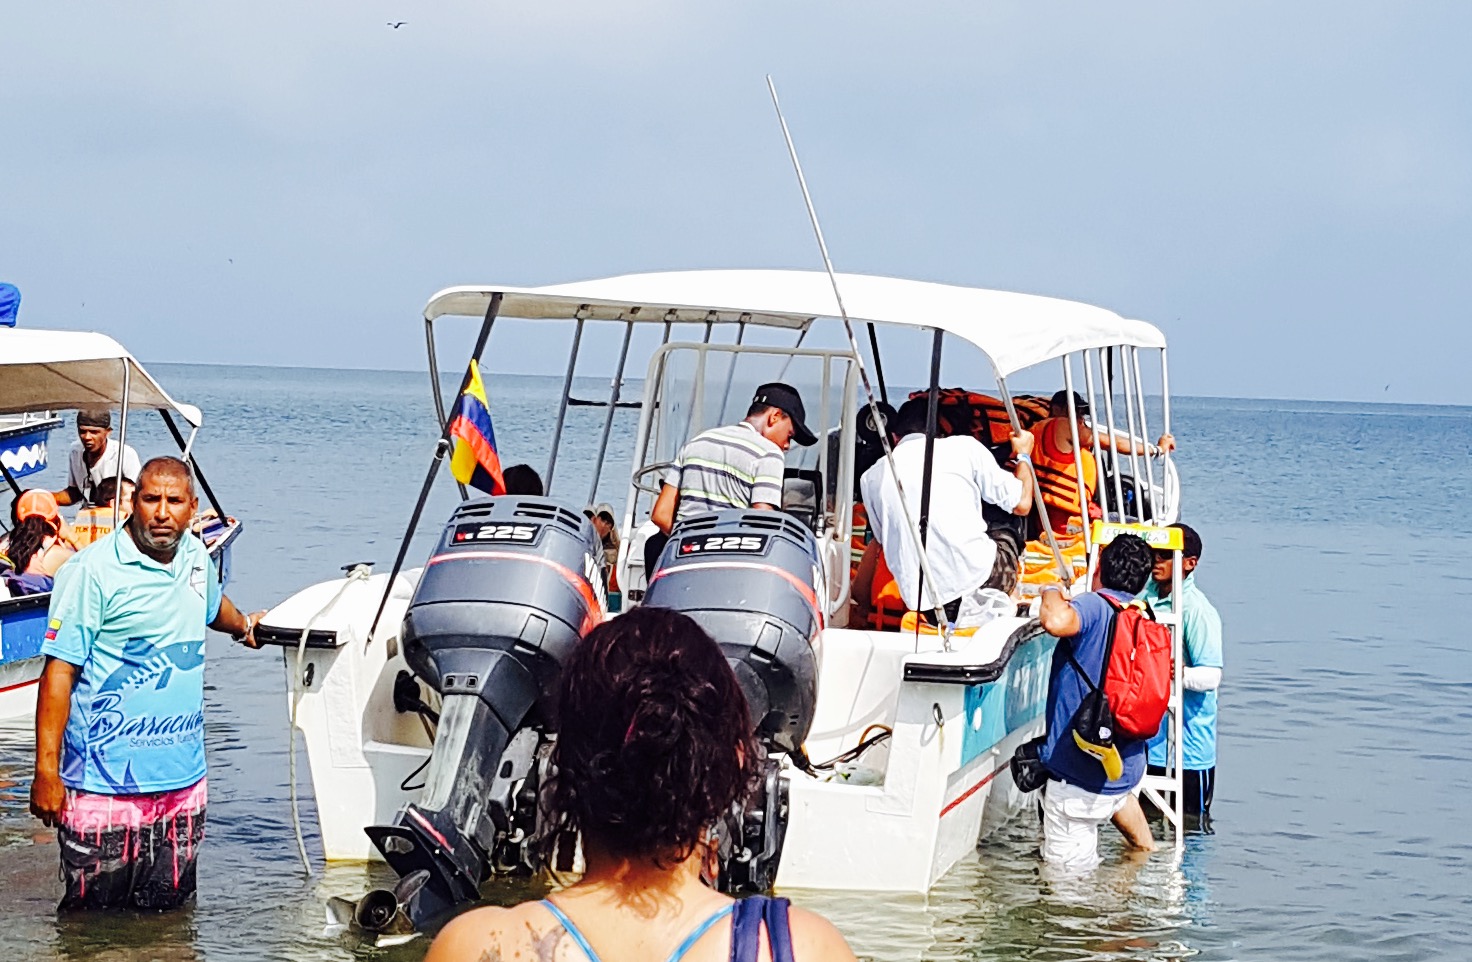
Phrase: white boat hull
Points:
(940, 783)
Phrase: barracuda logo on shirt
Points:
(136, 708)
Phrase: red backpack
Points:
(1137, 676)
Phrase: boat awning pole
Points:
(1078, 454)
(572, 364)
(441, 448)
(1129, 413)
(932, 419)
(117, 491)
(1106, 384)
(1145, 437)
(1065, 574)
(1165, 414)
(184, 447)
(878, 364)
(618, 380)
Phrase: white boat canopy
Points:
(75, 370)
(1014, 331)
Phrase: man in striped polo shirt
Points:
(735, 466)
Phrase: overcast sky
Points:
(1285, 189)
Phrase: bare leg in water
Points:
(1133, 825)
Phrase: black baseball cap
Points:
(784, 397)
(1059, 402)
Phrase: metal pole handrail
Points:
(1106, 385)
(1129, 413)
(572, 363)
(1165, 468)
(1145, 436)
(117, 491)
(1078, 454)
(618, 381)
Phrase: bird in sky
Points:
(398, 23)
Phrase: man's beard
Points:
(146, 540)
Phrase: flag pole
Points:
(441, 447)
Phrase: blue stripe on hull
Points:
(1015, 700)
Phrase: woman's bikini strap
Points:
(746, 928)
(572, 930)
(699, 930)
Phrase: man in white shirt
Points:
(964, 559)
(94, 457)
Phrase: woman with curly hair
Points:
(654, 745)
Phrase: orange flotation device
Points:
(1058, 477)
(982, 416)
(93, 523)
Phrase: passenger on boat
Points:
(735, 466)
(38, 544)
(120, 761)
(1201, 643)
(967, 561)
(94, 457)
(602, 517)
(522, 479)
(1079, 796)
(654, 746)
(34, 550)
(1058, 473)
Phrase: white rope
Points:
(942, 624)
(359, 573)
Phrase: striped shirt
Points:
(726, 467)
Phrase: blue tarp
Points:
(9, 304)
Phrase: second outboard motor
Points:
(754, 581)
(514, 582)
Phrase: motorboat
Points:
(44, 370)
(24, 448)
(420, 693)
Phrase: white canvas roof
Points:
(1014, 331)
(70, 370)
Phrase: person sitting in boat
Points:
(602, 517)
(93, 522)
(522, 479)
(735, 466)
(94, 457)
(654, 747)
(1053, 458)
(966, 559)
(35, 550)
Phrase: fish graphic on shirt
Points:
(145, 667)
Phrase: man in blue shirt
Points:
(1080, 796)
(120, 767)
(1201, 642)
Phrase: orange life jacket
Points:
(1058, 476)
(982, 416)
(857, 539)
(887, 608)
(92, 524)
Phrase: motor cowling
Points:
(754, 581)
(512, 585)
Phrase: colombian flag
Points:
(475, 461)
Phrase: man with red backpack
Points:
(1106, 694)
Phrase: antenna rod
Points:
(926, 576)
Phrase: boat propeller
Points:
(380, 916)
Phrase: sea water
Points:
(1336, 551)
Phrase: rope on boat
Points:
(358, 573)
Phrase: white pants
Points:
(1071, 820)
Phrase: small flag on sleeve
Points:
(474, 460)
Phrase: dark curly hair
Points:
(654, 740)
(26, 540)
(1125, 563)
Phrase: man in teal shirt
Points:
(1201, 642)
(120, 767)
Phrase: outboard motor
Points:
(513, 584)
(754, 581)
